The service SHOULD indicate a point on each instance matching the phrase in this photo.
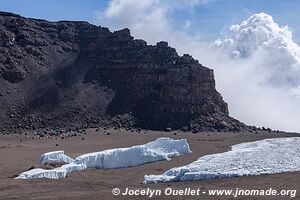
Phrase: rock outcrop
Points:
(74, 74)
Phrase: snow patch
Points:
(160, 149)
(268, 156)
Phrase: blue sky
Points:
(208, 20)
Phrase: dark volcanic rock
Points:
(75, 75)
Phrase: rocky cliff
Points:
(73, 74)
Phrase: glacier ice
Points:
(266, 156)
(160, 149)
(55, 157)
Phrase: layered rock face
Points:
(74, 74)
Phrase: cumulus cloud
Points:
(256, 62)
(272, 46)
(260, 78)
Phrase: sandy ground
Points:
(17, 156)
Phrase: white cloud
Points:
(272, 47)
(149, 19)
(256, 63)
(260, 79)
(144, 18)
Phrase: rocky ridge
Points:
(61, 76)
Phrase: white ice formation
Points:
(268, 156)
(160, 149)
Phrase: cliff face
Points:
(74, 74)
